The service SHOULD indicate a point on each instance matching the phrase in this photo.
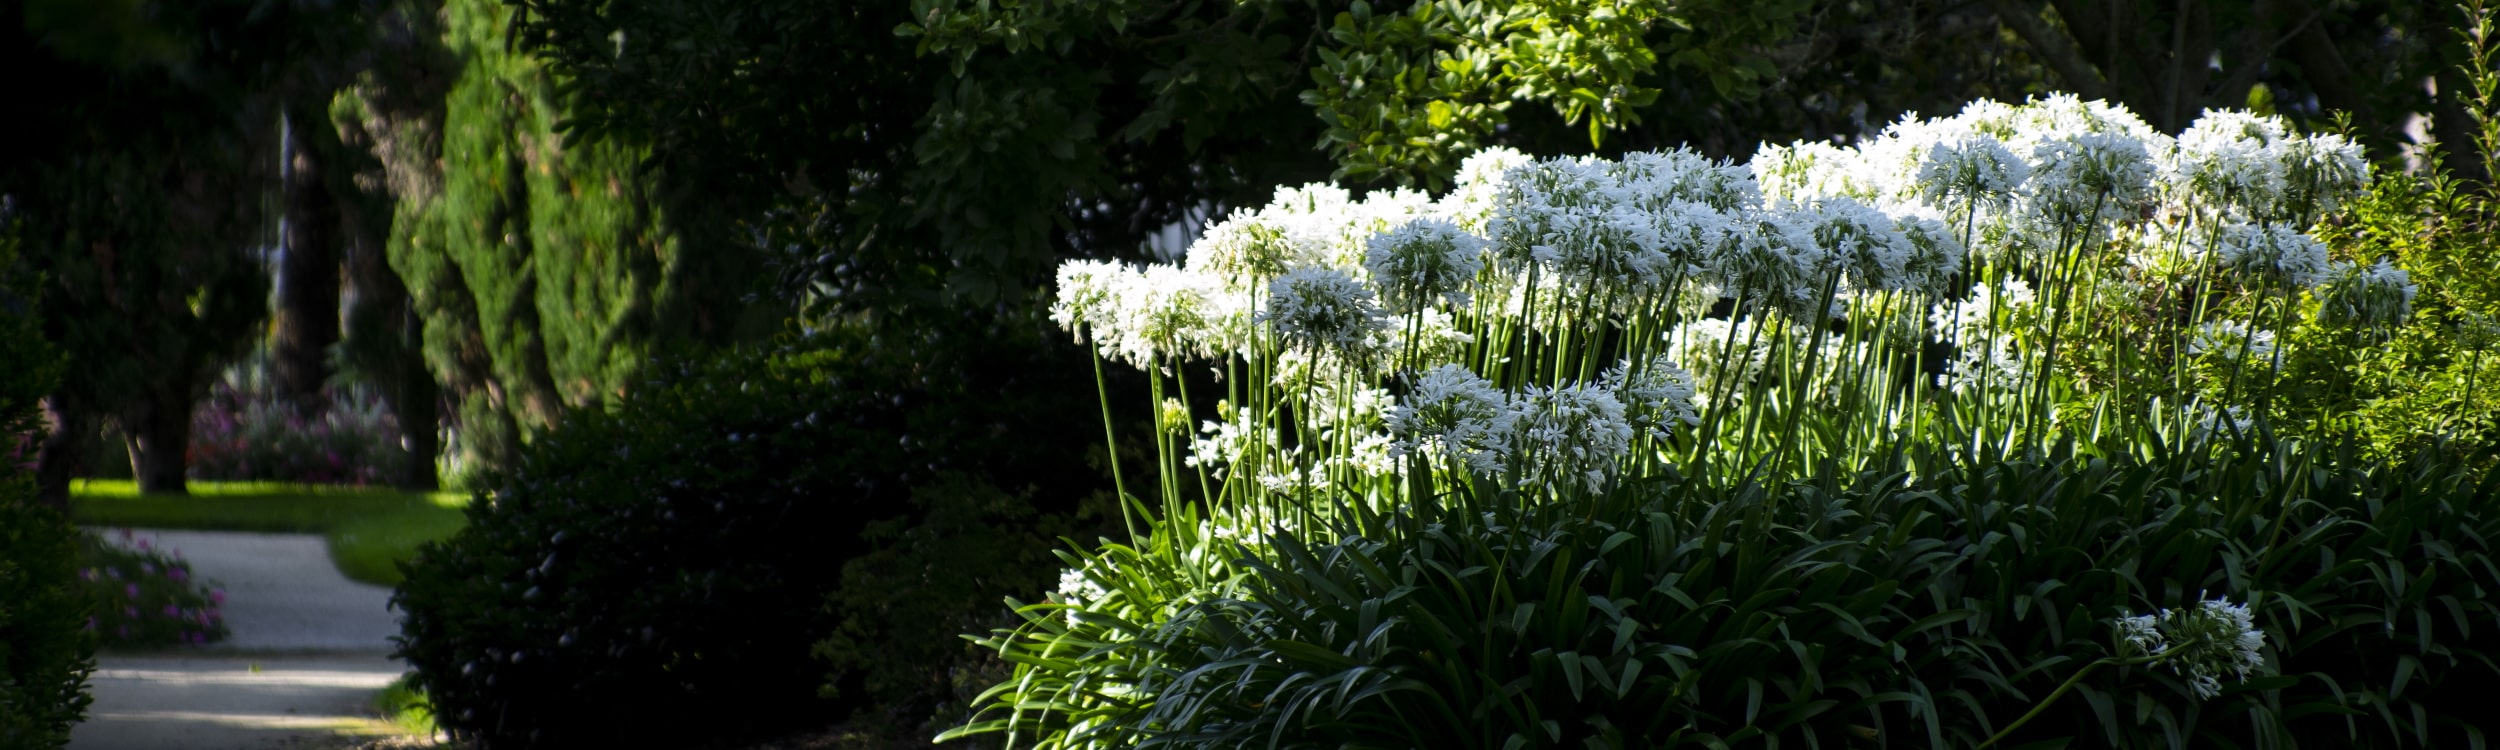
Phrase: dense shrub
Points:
(45, 652)
(1840, 613)
(660, 574)
(143, 595)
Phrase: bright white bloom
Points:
(1077, 588)
(1972, 171)
(2372, 296)
(1935, 254)
(1230, 440)
(1653, 180)
(2272, 255)
(2229, 161)
(1472, 201)
(1423, 260)
(2141, 636)
(1159, 313)
(1087, 289)
(1454, 413)
(1323, 308)
(2085, 176)
(1246, 250)
(1657, 396)
(1572, 436)
(1871, 251)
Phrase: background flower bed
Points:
(141, 595)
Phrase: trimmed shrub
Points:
(659, 574)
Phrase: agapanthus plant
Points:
(1557, 329)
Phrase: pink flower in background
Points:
(177, 575)
(143, 545)
(217, 596)
(147, 568)
(130, 590)
(130, 612)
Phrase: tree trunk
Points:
(159, 435)
(64, 449)
(307, 318)
(417, 406)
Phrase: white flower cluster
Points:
(2241, 166)
(2378, 295)
(1569, 437)
(2227, 339)
(2202, 643)
(2270, 256)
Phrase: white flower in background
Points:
(1087, 298)
(2272, 256)
(1435, 338)
(1690, 235)
(1572, 436)
(1657, 396)
(2228, 161)
(1223, 443)
(2227, 338)
(2210, 422)
(1423, 260)
(2087, 176)
(1452, 412)
(1986, 307)
(1324, 309)
(1718, 348)
(2204, 643)
(1971, 171)
(1480, 177)
(1804, 171)
(2320, 172)
(2372, 296)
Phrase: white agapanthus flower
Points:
(1657, 396)
(1087, 297)
(1775, 261)
(2205, 643)
(1323, 309)
(1159, 313)
(2273, 256)
(1872, 253)
(1078, 588)
(2087, 176)
(1225, 442)
(1424, 260)
(2320, 172)
(1974, 171)
(1245, 251)
(1451, 412)
(1807, 170)
(2379, 296)
(1567, 437)
(2230, 161)
(1986, 307)
(1472, 201)
(1653, 180)
(1936, 254)
(2228, 338)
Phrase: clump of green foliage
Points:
(1933, 603)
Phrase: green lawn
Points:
(369, 529)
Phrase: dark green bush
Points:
(659, 575)
(1880, 611)
(45, 651)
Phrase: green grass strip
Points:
(369, 529)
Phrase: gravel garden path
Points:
(309, 648)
